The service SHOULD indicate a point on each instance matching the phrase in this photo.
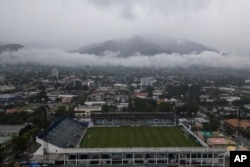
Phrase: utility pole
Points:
(45, 141)
(238, 130)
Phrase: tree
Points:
(149, 90)
(81, 99)
(20, 142)
(144, 105)
(105, 108)
(221, 102)
(70, 111)
(180, 110)
(61, 110)
(130, 104)
(39, 117)
(13, 118)
(191, 108)
(213, 125)
(164, 107)
(43, 96)
(229, 131)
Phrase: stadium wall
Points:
(171, 156)
(194, 135)
(51, 148)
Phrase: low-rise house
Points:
(94, 103)
(85, 111)
(157, 92)
(96, 97)
(122, 98)
(11, 130)
(5, 98)
(227, 89)
(201, 120)
(230, 99)
(12, 110)
(217, 142)
(235, 123)
(120, 106)
(142, 95)
(211, 90)
(7, 88)
(117, 87)
(67, 100)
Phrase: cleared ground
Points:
(100, 137)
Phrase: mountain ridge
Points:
(10, 47)
(145, 46)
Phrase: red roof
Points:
(10, 111)
(217, 141)
(141, 94)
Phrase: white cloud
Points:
(55, 57)
(70, 24)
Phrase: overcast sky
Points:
(70, 24)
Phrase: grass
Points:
(101, 137)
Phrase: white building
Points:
(147, 81)
(55, 73)
(6, 87)
(227, 89)
(230, 99)
(85, 111)
(94, 103)
(120, 87)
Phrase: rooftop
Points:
(11, 128)
(217, 141)
(64, 133)
(234, 123)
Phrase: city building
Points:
(147, 81)
(55, 73)
(85, 111)
(11, 130)
(8, 98)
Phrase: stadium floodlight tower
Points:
(45, 143)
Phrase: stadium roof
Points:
(133, 115)
(143, 149)
(64, 133)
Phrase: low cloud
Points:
(55, 57)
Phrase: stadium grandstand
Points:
(135, 118)
(71, 143)
(64, 133)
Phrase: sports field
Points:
(100, 137)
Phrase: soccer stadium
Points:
(125, 139)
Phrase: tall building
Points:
(147, 81)
(55, 73)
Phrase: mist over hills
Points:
(143, 52)
(144, 45)
(10, 47)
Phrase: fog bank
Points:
(55, 57)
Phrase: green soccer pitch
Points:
(102, 137)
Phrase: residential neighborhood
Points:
(215, 109)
